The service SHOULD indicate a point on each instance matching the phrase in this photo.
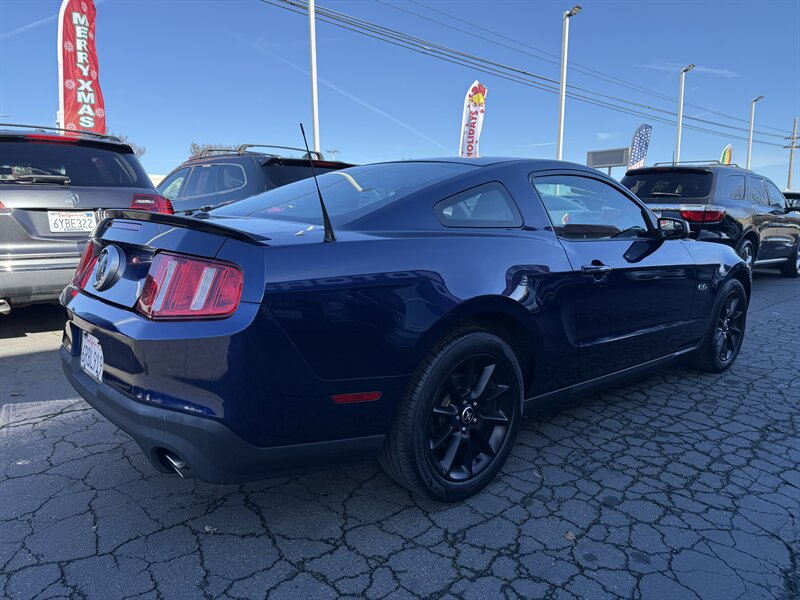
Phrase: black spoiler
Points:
(186, 222)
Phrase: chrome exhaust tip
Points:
(177, 464)
(5, 307)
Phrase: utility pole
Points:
(684, 71)
(562, 93)
(750, 135)
(792, 145)
(312, 36)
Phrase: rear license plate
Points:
(71, 221)
(92, 356)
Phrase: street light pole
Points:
(562, 95)
(684, 71)
(312, 35)
(750, 135)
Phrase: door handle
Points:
(595, 269)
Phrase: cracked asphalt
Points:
(678, 485)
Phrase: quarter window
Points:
(488, 205)
(202, 181)
(758, 194)
(584, 208)
(231, 177)
(734, 187)
(171, 186)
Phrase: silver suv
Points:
(53, 184)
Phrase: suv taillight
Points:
(184, 287)
(152, 203)
(702, 213)
(85, 266)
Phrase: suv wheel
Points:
(458, 421)
(724, 338)
(747, 252)
(791, 268)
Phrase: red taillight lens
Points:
(85, 266)
(702, 214)
(182, 287)
(152, 203)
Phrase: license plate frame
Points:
(71, 221)
(92, 359)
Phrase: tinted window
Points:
(662, 186)
(792, 199)
(281, 173)
(170, 187)
(231, 177)
(84, 164)
(348, 194)
(202, 181)
(775, 196)
(734, 187)
(758, 193)
(488, 205)
(584, 208)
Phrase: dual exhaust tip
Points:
(176, 464)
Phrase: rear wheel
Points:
(791, 268)
(459, 418)
(724, 339)
(747, 252)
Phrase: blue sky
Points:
(235, 71)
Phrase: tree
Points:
(138, 151)
(196, 149)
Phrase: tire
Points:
(723, 341)
(791, 268)
(747, 252)
(448, 449)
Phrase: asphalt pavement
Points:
(677, 485)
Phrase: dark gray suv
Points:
(52, 186)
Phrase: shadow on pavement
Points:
(37, 318)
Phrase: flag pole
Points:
(312, 35)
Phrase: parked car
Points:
(239, 345)
(792, 200)
(725, 204)
(52, 185)
(221, 176)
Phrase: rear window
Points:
(85, 165)
(666, 186)
(349, 194)
(279, 174)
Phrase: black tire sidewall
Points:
(733, 284)
(752, 251)
(441, 365)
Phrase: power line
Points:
(461, 58)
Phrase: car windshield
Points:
(24, 162)
(348, 194)
(668, 185)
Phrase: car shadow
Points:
(37, 318)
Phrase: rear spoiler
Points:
(303, 162)
(185, 222)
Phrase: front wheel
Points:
(724, 338)
(459, 418)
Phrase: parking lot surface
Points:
(678, 485)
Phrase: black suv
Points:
(53, 185)
(221, 176)
(725, 204)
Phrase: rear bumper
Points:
(28, 280)
(212, 452)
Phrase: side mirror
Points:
(673, 229)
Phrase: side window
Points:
(170, 187)
(758, 195)
(231, 177)
(202, 181)
(583, 208)
(488, 205)
(776, 198)
(734, 187)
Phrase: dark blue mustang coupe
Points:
(447, 296)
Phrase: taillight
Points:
(702, 213)
(85, 266)
(152, 203)
(183, 287)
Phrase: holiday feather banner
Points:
(472, 120)
(80, 104)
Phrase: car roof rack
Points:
(45, 129)
(245, 148)
(695, 162)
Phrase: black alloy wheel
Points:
(471, 417)
(458, 420)
(726, 332)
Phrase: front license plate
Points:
(92, 356)
(71, 221)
